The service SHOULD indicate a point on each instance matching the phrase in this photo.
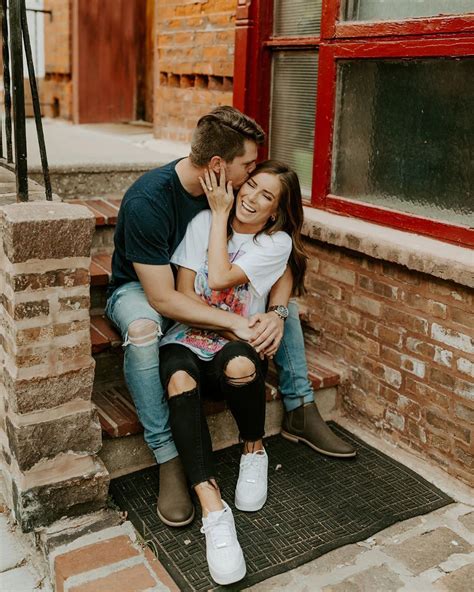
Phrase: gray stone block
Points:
(427, 550)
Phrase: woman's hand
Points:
(219, 195)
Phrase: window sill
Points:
(416, 252)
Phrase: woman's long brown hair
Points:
(289, 218)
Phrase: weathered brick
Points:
(325, 288)
(465, 389)
(465, 413)
(74, 303)
(362, 343)
(452, 338)
(465, 366)
(379, 288)
(438, 422)
(50, 279)
(462, 317)
(90, 557)
(338, 273)
(441, 377)
(419, 346)
(46, 230)
(29, 310)
(79, 432)
(43, 504)
(130, 579)
(395, 420)
(425, 393)
(401, 318)
(465, 457)
(443, 356)
(40, 393)
(413, 366)
(367, 305)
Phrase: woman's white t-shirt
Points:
(263, 260)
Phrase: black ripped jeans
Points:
(246, 401)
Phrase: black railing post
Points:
(36, 102)
(6, 82)
(21, 166)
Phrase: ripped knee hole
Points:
(143, 332)
(239, 371)
(180, 383)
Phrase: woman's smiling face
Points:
(256, 202)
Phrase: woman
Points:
(230, 259)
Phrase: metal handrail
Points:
(15, 37)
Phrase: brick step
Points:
(117, 412)
(105, 209)
(100, 270)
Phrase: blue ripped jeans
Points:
(128, 303)
(141, 368)
(290, 360)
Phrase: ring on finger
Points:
(210, 188)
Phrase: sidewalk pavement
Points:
(22, 568)
(95, 144)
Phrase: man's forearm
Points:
(182, 308)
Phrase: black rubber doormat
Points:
(315, 504)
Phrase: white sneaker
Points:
(224, 556)
(251, 489)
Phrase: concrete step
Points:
(90, 180)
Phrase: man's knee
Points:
(180, 382)
(143, 332)
(240, 370)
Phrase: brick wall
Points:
(56, 88)
(408, 340)
(195, 62)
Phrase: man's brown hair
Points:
(223, 132)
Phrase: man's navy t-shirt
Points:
(152, 221)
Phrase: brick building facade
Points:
(397, 313)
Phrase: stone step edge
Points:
(105, 558)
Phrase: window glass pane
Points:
(297, 18)
(293, 108)
(380, 10)
(404, 136)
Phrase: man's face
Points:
(239, 169)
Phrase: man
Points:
(151, 223)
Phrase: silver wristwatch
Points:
(281, 311)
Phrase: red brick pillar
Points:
(49, 430)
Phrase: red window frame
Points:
(411, 38)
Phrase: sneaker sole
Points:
(176, 524)
(250, 507)
(235, 576)
(298, 439)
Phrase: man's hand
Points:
(268, 332)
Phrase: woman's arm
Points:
(222, 273)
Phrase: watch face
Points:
(282, 311)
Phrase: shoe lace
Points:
(219, 530)
(250, 467)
